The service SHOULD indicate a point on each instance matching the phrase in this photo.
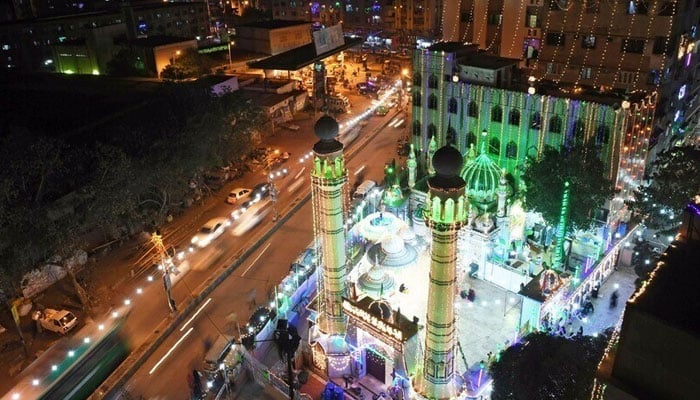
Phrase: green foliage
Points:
(190, 64)
(675, 180)
(544, 180)
(547, 367)
(644, 258)
(126, 63)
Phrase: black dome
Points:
(447, 161)
(326, 128)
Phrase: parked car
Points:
(59, 321)
(237, 194)
(211, 230)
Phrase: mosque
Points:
(391, 274)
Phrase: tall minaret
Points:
(328, 178)
(446, 213)
(412, 165)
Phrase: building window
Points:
(660, 45)
(497, 114)
(432, 131)
(626, 77)
(433, 81)
(416, 128)
(495, 146)
(585, 73)
(452, 106)
(417, 81)
(511, 150)
(473, 110)
(514, 117)
(588, 42)
(592, 6)
(471, 140)
(495, 19)
(536, 121)
(602, 135)
(556, 39)
(432, 102)
(417, 99)
(555, 124)
(635, 46)
(578, 130)
(451, 136)
(558, 5)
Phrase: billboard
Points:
(328, 39)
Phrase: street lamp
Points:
(230, 44)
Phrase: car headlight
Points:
(194, 239)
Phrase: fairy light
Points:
(573, 43)
(561, 33)
(468, 25)
(665, 57)
(626, 42)
(455, 23)
(647, 37)
(599, 70)
(587, 51)
(499, 28)
(483, 26)
(518, 29)
(548, 20)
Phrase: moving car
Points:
(211, 230)
(55, 321)
(261, 190)
(237, 194)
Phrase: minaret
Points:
(446, 213)
(412, 165)
(432, 147)
(328, 178)
(502, 193)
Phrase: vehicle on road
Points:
(59, 321)
(364, 189)
(261, 190)
(211, 230)
(237, 194)
(381, 111)
(280, 173)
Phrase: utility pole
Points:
(157, 240)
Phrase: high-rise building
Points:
(446, 212)
(328, 180)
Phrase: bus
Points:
(74, 367)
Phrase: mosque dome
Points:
(446, 161)
(381, 309)
(482, 177)
(326, 128)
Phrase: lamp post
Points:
(157, 240)
(230, 44)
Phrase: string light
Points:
(668, 41)
(599, 70)
(468, 25)
(573, 43)
(647, 37)
(625, 49)
(499, 27)
(561, 33)
(483, 26)
(588, 48)
(548, 20)
(518, 29)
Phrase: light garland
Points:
(499, 28)
(518, 28)
(665, 57)
(561, 33)
(599, 70)
(588, 49)
(621, 59)
(483, 26)
(573, 45)
(339, 363)
(548, 20)
(469, 23)
(652, 12)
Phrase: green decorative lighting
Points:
(561, 228)
(482, 176)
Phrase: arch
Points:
(495, 146)
(432, 81)
(471, 140)
(473, 109)
(432, 102)
(555, 124)
(535, 120)
(514, 117)
(576, 136)
(496, 114)
(451, 136)
(452, 106)
(602, 135)
(511, 150)
(417, 98)
(417, 79)
(432, 131)
(416, 128)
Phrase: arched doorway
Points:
(376, 364)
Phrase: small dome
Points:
(326, 128)
(392, 244)
(447, 161)
(482, 177)
(381, 309)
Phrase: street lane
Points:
(258, 275)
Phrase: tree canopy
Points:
(126, 63)
(134, 169)
(544, 179)
(547, 367)
(675, 179)
(190, 64)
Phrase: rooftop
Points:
(452, 47)
(274, 24)
(159, 40)
(300, 57)
(483, 60)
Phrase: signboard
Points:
(328, 39)
(376, 323)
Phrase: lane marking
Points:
(256, 260)
(170, 351)
(299, 173)
(195, 314)
(357, 171)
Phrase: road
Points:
(165, 377)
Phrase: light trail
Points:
(299, 173)
(256, 260)
(170, 351)
(357, 171)
(195, 314)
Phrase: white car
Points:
(237, 194)
(59, 321)
(211, 230)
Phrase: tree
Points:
(189, 64)
(644, 258)
(547, 367)
(589, 188)
(675, 179)
(126, 63)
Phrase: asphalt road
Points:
(164, 375)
